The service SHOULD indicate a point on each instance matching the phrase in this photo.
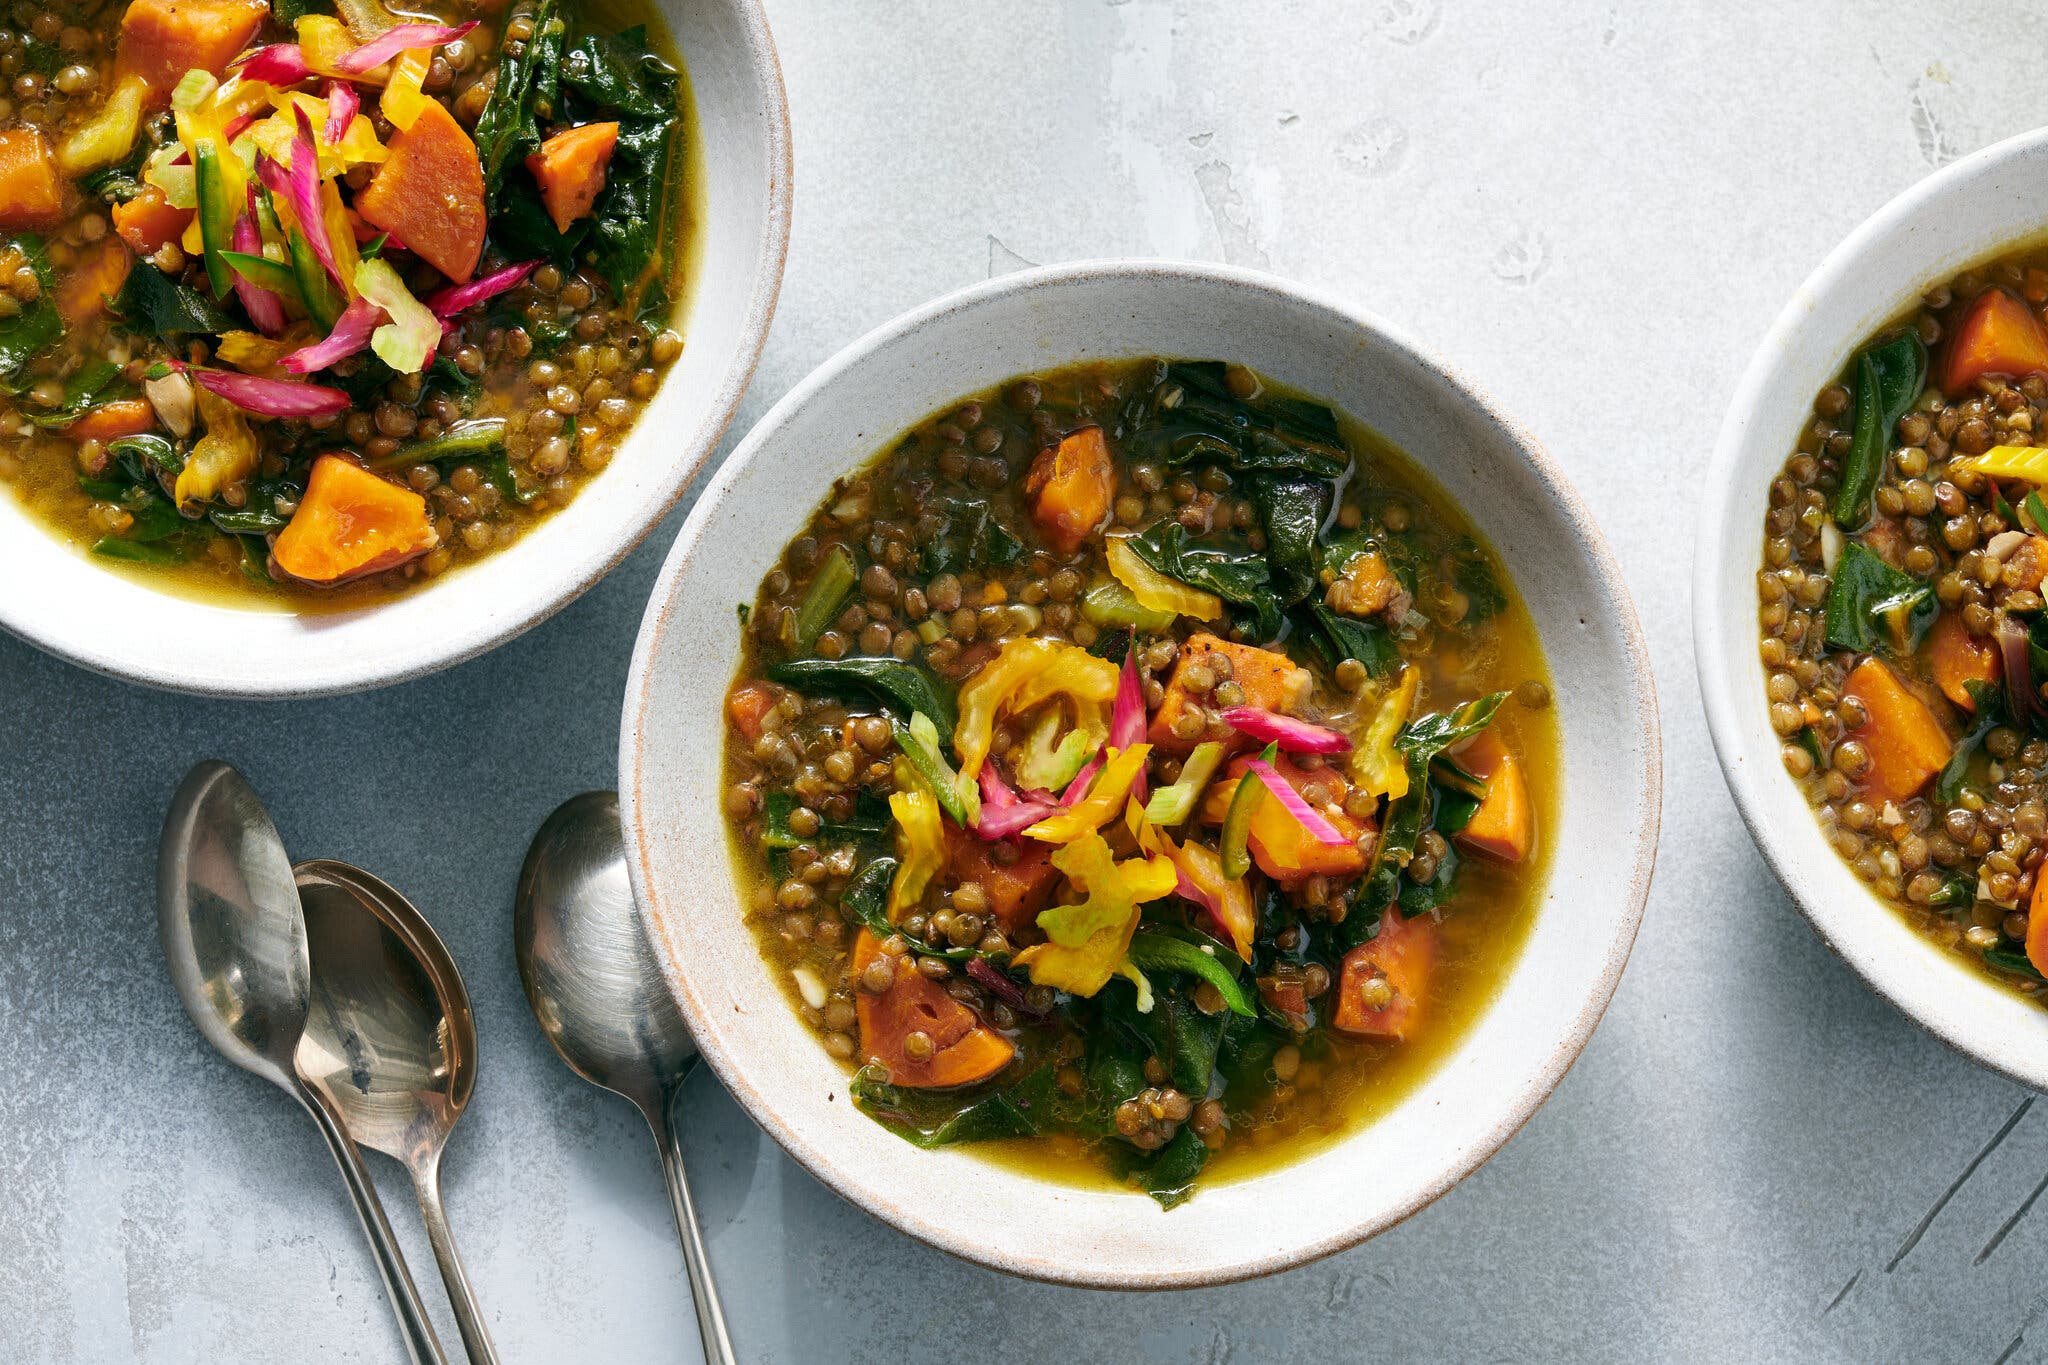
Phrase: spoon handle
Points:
(710, 1314)
(420, 1342)
(469, 1318)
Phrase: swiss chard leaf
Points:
(1192, 417)
(509, 126)
(154, 304)
(95, 380)
(908, 688)
(29, 332)
(1337, 638)
(1292, 512)
(1990, 714)
(1871, 604)
(1241, 577)
(1170, 1178)
(1888, 378)
(928, 1119)
(1472, 573)
(620, 78)
(1182, 1037)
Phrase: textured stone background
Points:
(1596, 208)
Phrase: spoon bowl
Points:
(601, 1000)
(391, 1041)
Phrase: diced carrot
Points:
(1286, 997)
(1071, 486)
(350, 523)
(1403, 955)
(1269, 679)
(570, 169)
(31, 194)
(1016, 890)
(112, 421)
(1366, 587)
(2037, 923)
(148, 221)
(1504, 826)
(963, 1049)
(1906, 743)
(429, 193)
(748, 703)
(83, 291)
(1999, 336)
(163, 39)
(1955, 657)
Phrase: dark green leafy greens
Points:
(1990, 714)
(1292, 511)
(1871, 604)
(154, 304)
(907, 688)
(1241, 577)
(29, 332)
(1888, 378)
(1192, 417)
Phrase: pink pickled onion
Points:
(278, 64)
(236, 127)
(1295, 736)
(265, 309)
(342, 105)
(1127, 718)
(299, 185)
(351, 333)
(1185, 888)
(457, 298)
(1003, 812)
(1283, 791)
(404, 38)
(270, 397)
(1078, 788)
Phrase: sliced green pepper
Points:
(1235, 850)
(216, 215)
(321, 299)
(263, 272)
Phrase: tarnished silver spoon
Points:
(598, 993)
(235, 942)
(391, 1039)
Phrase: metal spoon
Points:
(598, 993)
(235, 942)
(391, 1040)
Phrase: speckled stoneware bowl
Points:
(1980, 206)
(64, 601)
(1514, 1054)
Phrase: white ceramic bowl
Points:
(64, 601)
(1980, 206)
(669, 772)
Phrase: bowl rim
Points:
(365, 672)
(1534, 1090)
(1844, 933)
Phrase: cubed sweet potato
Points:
(163, 39)
(349, 523)
(1906, 743)
(1504, 826)
(570, 169)
(1381, 990)
(429, 193)
(2000, 335)
(963, 1050)
(1270, 680)
(1071, 486)
(1018, 889)
(31, 194)
(1956, 657)
(83, 291)
(148, 222)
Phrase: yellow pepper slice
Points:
(920, 844)
(2012, 462)
(325, 40)
(403, 99)
(1085, 943)
(227, 452)
(1154, 589)
(1104, 799)
(110, 135)
(1375, 765)
(1023, 673)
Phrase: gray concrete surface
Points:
(1597, 208)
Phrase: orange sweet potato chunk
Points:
(1955, 657)
(1999, 336)
(1504, 826)
(148, 221)
(1017, 890)
(429, 193)
(1071, 486)
(570, 167)
(1403, 955)
(1906, 742)
(964, 1050)
(350, 523)
(163, 39)
(1270, 680)
(83, 291)
(31, 194)
(112, 421)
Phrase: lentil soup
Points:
(1903, 636)
(1139, 773)
(300, 309)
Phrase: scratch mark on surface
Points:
(1611, 29)
(2010, 1347)
(1232, 214)
(1939, 130)
(1003, 261)
(1927, 1220)
(1375, 147)
(1288, 118)
(2009, 1224)
(1406, 22)
(1218, 1351)
(1201, 139)
(1843, 1293)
